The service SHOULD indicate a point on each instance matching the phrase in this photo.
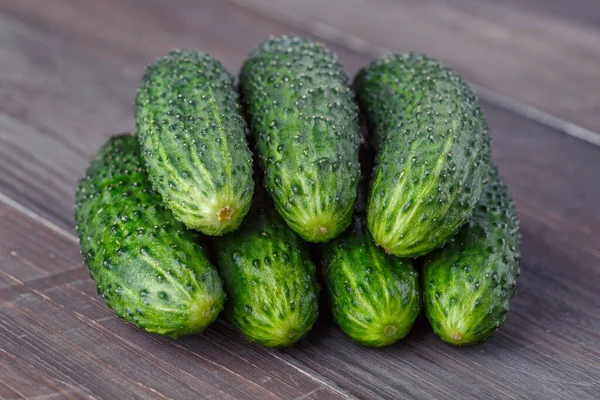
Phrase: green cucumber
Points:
(302, 114)
(433, 152)
(146, 265)
(468, 283)
(269, 279)
(375, 297)
(194, 142)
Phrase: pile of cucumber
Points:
(420, 183)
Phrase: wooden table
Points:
(68, 76)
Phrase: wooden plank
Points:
(58, 336)
(538, 59)
(7, 392)
(25, 267)
(528, 365)
(22, 380)
(547, 349)
(574, 11)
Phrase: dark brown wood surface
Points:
(544, 59)
(68, 75)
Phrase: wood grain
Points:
(542, 60)
(68, 73)
(573, 11)
(57, 336)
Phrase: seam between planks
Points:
(362, 46)
(302, 368)
(38, 218)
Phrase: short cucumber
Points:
(194, 143)
(468, 283)
(375, 297)
(145, 263)
(269, 279)
(433, 151)
(302, 115)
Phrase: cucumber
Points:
(433, 152)
(146, 265)
(302, 115)
(194, 142)
(468, 283)
(375, 297)
(269, 279)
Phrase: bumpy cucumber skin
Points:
(433, 152)
(194, 142)
(469, 282)
(375, 297)
(302, 114)
(269, 279)
(145, 263)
